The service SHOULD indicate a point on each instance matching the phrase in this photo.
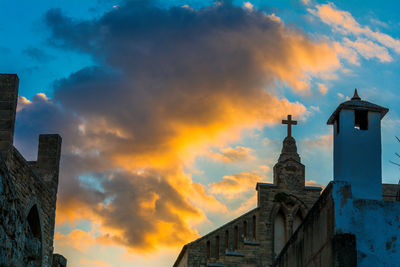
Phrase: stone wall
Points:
(310, 245)
(32, 189)
(287, 197)
(214, 249)
(254, 248)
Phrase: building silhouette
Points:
(28, 191)
(354, 222)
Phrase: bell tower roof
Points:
(357, 104)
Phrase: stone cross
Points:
(289, 122)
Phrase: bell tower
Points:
(357, 148)
(289, 173)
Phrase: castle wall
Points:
(32, 189)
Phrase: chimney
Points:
(8, 106)
(48, 159)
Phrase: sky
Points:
(170, 111)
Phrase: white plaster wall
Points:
(376, 225)
(357, 155)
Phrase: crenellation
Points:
(8, 106)
(31, 187)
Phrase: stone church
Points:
(296, 226)
(28, 191)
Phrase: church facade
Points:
(354, 222)
(28, 191)
(257, 237)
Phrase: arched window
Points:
(208, 249)
(245, 229)
(217, 247)
(298, 218)
(279, 232)
(236, 237)
(226, 240)
(34, 222)
(254, 227)
(34, 237)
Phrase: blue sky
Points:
(167, 112)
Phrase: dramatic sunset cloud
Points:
(368, 43)
(232, 185)
(168, 84)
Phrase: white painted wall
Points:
(357, 155)
(376, 225)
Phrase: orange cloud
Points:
(77, 239)
(308, 59)
(369, 43)
(322, 88)
(232, 185)
(161, 100)
(369, 49)
(233, 154)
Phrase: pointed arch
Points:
(34, 236)
(280, 231)
(33, 219)
(297, 220)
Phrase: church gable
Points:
(256, 238)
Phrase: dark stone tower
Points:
(28, 191)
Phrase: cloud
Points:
(322, 88)
(314, 183)
(323, 141)
(37, 54)
(168, 84)
(369, 49)
(76, 239)
(232, 185)
(368, 43)
(248, 5)
(347, 53)
(233, 154)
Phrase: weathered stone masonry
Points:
(28, 191)
(252, 240)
